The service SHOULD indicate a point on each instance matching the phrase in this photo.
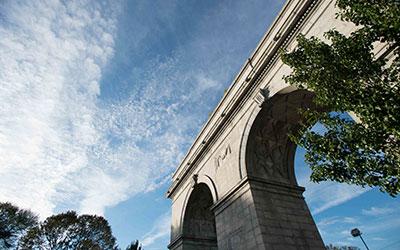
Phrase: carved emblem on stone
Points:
(223, 154)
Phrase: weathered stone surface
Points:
(236, 188)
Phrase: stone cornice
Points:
(282, 31)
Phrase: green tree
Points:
(69, 231)
(345, 75)
(134, 246)
(14, 223)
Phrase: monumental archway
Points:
(236, 187)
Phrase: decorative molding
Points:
(195, 178)
(261, 96)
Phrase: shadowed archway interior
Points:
(199, 231)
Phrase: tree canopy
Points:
(70, 231)
(20, 229)
(14, 223)
(346, 76)
(134, 246)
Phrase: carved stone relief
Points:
(221, 156)
(271, 141)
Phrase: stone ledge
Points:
(180, 239)
(256, 184)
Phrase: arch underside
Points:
(269, 151)
(199, 230)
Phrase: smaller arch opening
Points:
(199, 230)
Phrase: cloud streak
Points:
(324, 195)
(160, 229)
(376, 211)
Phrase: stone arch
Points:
(211, 185)
(244, 139)
(198, 224)
(202, 179)
(268, 151)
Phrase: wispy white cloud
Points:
(380, 225)
(333, 194)
(376, 226)
(378, 239)
(376, 211)
(336, 220)
(336, 229)
(160, 229)
(324, 195)
(375, 230)
(52, 56)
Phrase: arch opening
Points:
(199, 229)
(270, 154)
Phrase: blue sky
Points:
(101, 100)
